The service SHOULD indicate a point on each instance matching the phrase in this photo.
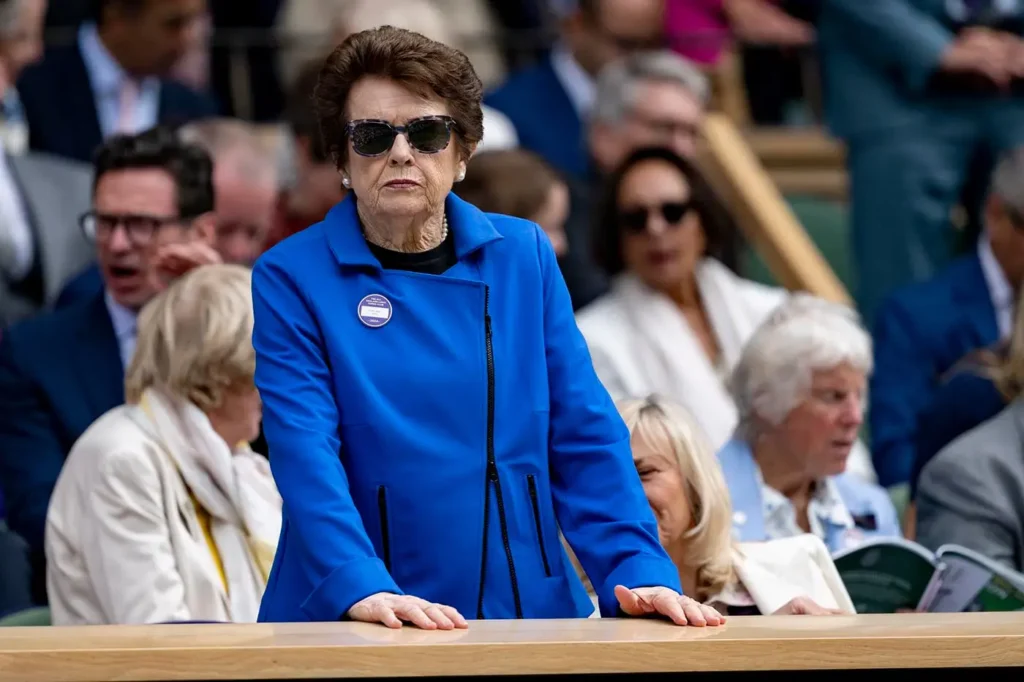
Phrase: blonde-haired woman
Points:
(161, 512)
(687, 492)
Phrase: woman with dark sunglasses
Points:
(432, 415)
(677, 315)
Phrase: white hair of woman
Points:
(804, 335)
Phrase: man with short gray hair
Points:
(246, 181)
(654, 98)
(925, 329)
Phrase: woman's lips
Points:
(402, 184)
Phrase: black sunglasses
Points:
(427, 135)
(635, 220)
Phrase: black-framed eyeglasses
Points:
(635, 220)
(427, 135)
(139, 228)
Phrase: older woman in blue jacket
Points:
(431, 410)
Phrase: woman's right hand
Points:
(805, 606)
(394, 609)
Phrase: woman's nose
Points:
(655, 224)
(401, 151)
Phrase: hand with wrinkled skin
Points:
(392, 610)
(680, 609)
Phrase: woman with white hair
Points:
(800, 390)
(161, 512)
(684, 485)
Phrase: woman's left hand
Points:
(680, 609)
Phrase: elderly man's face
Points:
(820, 432)
(246, 200)
(664, 114)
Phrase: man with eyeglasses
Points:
(924, 330)
(151, 220)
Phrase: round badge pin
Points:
(374, 311)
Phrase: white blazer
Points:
(123, 540)
(773, 573)
(641, 343)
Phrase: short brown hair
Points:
(425, 66)
(514, 182)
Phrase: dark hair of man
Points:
(189, 165)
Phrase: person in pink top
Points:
(700, 29)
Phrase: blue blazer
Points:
(863, 500)
(440, 453)
(84, 286)
(60, 84)
(544, 117)
(920, 333)
(59, 372)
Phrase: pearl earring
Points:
(461, 176)
(346, 182)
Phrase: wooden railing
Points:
(321, 651)
(763, 214)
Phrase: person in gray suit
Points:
(41, 197)
(919, 90)
(972, 492)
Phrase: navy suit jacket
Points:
(921, 332)
(83, 287)
(59, 372)
(544, 117)
(61, 110)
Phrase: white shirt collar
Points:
(105, 74)
(826, 507)
(999, 289)
(576, 82)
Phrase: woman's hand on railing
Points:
(680, 609)
(394, 609)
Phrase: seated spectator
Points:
(684, 486)
(646, 99)
(316, 183)
(800, 387)
(151, 220)
(162, 513)
(40, 196)
(972, 492)
(245, 185)
(519, 183)
(114, 78)
(592, 34)
(923, 330)
(677, 317)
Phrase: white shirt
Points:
(107, 79)
(999, 289)
(125, 328)
(576, 82)
(17, 246)
(825, 506)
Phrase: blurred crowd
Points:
(152, 150)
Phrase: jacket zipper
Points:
(532, 482)
(385, 535)
(493, 479)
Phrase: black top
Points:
(433, 262)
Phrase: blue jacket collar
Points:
(470, 226)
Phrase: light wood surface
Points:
(342, 650)
(763, 214)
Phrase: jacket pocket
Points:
(385, 535)
(531, 482)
